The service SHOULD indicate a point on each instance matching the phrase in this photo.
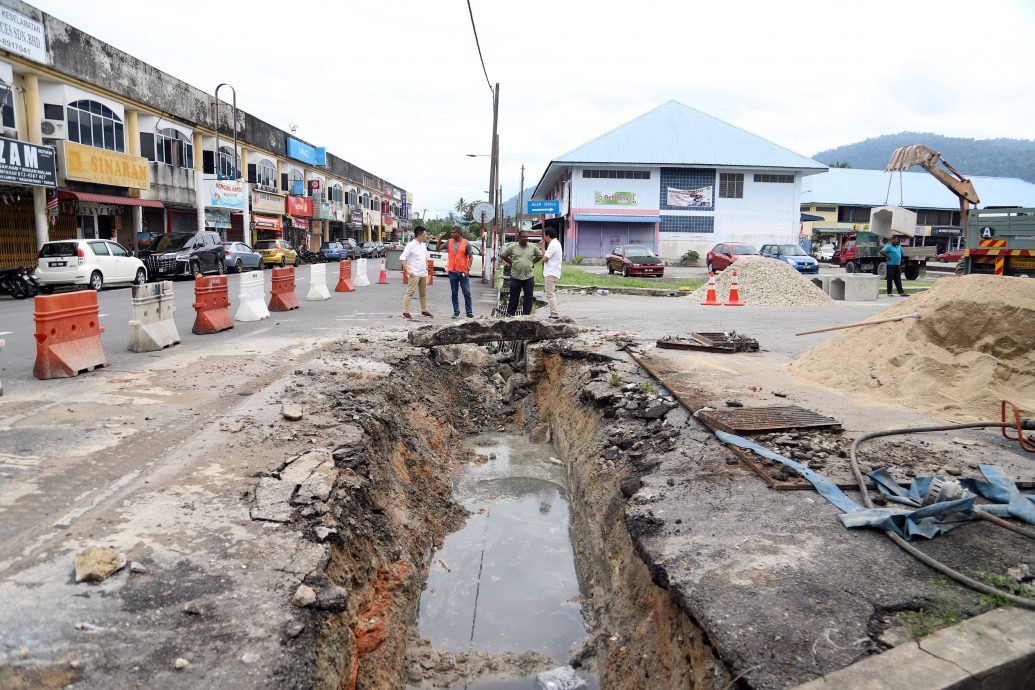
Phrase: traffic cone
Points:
(734, 298)
(406, 276)
(383, 278)
(710, 300)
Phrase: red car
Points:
(722, 255)
(953, 255)
(634, 260)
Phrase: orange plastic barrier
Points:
(431, 271)
(282, 297)
(212, 304)
(345, 277)
(68, 335)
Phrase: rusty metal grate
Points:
(710, 342)
(763, 419)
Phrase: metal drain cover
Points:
(762, 419)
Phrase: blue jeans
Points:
(459, 280)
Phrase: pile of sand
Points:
(765, 281)
(973, 345)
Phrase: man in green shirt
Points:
(521, 257)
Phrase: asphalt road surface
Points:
(360, 308)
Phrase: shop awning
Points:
(617, 219)
(108, 199)
(806, 217)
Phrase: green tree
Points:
(839, 164)
(461, 206)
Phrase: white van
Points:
(95, 263)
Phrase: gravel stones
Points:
(766, 282)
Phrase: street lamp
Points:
(478, 155)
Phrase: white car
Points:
(825, 252)
(440, 257)
(94, 263)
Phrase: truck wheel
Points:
(961, 267)
(911, 272)
(850, 267)
(881, 270)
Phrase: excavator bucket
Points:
(914, 154)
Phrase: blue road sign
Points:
(539, 207)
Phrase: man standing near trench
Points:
(521, 257)
(552, 270)
(415, 258)
(893, 254)
(459, 254)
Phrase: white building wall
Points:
(585, 192)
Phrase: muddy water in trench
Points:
(507, 581)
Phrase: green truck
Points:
(1000, 241)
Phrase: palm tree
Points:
(461, 205)
(839, 164)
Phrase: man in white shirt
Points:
(554, 255)
(415, 260)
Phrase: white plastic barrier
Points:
(253, 298)
(2, 343)
(318, 283)
(360, 269)
(152, 327)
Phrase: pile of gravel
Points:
(764, 281)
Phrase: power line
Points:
(477, 43)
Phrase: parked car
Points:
(438, 252)
(185, 254)
(371, 250)
(95, 263)
(277, 253)
(724, 254)
(952, 255)
(334, 251)
(825, 252)
(792, 255)
(240, 257)
(634, 260)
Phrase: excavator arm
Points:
(928, 159)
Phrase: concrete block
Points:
(152, 327)
(822, 282)
(855, 288)
(886, 221)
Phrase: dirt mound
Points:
(973, 345)
(767, 282)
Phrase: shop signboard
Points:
(614, 198)
(90, 164)
(22, 36)
(542, 207)
(225, 194)
(387, 219)
(268, 203)
(945, 232)
(701, 196)
(217, 219)
(260, 222)
(300, 206)
(25, 163)
(313, 155)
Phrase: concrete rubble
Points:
(96, 563)
(483, 330)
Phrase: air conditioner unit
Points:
(54, 129)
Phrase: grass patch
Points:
(647, 387)
(570, 275)
(614, 380)
(935, 616)
(1004, 583)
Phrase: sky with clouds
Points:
(395, 86)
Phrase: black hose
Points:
(909, 548)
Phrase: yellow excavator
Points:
(931, 161)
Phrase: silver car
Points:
(240, 257)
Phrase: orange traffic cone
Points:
(383, 278)
(406, 276)
(734, 298)
(710, 300)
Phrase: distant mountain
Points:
(510, 205)
(991, 157)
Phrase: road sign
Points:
(483, 212)
(539, 207)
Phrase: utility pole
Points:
(521, 200)
(494, 161)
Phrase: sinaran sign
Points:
(22, 35)
(91, 164)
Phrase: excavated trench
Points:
(476, 557)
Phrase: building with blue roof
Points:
(841, 198)
(675, 179)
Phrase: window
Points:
(266, 173)
(100, 248)
(228, 163)
(770, 177)
(172, 147)
(826, 209)
(617, 174)
(336, 193)
(8, 105)
(731, 185)
(353, 198)
(117, 249)
(93, 124)
(364, 200)
(853, 214)
(937, 217)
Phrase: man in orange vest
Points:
(459, 269)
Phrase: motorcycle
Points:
(19, 282)
(309, 257)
